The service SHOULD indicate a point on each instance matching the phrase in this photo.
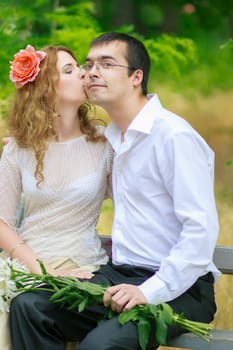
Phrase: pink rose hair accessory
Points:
(26, 66)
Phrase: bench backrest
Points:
(223, 259)
(223, 255)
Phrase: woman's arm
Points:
(16, 248)
(10, 193)
(13, 245)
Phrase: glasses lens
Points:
(87, 66)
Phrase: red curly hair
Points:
(33, 111)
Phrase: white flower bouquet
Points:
(8, 289)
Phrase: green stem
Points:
(77, 295)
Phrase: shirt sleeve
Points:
(186, 166)
(10, 183)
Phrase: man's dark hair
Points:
(137, 55)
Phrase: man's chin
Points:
(94, 97)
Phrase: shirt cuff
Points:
(155, 290)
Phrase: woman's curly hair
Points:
(31, 119)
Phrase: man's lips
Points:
(95, 86)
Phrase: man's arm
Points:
(186, 166)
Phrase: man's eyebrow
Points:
(100, 58)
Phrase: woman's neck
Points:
(68, 133)
(67, 126)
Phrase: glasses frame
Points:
(105, 66)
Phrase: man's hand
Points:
(123, 297)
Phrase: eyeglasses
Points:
(103, 65)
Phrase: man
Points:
(165, 225)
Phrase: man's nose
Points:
(94, 70)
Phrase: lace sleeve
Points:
(10, 183)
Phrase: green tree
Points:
(74, 24)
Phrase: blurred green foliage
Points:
(208, 23)
(189, 42)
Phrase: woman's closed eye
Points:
(69, 68)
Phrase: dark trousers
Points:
(38, 324)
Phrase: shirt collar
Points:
(143, 121)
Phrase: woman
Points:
(59, 159)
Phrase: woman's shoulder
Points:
(12, 150)
(10, 145)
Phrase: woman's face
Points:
(71, 82)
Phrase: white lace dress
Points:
(60, 215)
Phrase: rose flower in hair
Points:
(25, 66)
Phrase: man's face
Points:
(107, 81)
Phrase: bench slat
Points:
(223, 259)
(220, 340)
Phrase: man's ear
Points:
(137, 77)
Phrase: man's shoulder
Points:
(170, 123)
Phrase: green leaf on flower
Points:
(59, 293)
(161, 329)
(42, 267)
(83, 304)
(167, 314)
(153, 309)
(144, 328)
(129, 315)
(75, 294)
(92, 288)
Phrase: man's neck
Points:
(123, 114)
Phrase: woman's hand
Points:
(70, 273)
(5, 140)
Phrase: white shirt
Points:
(165, 214)
(60, 215)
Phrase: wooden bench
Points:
(220, 339)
